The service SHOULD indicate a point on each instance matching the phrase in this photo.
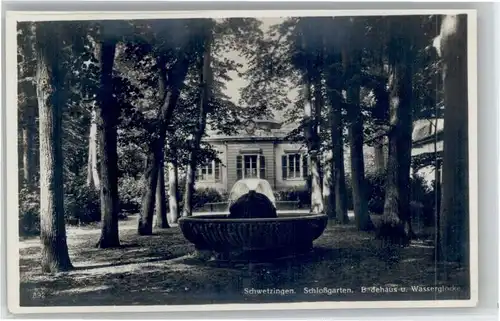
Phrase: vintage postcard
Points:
(188, 161)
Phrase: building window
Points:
(250, 166)
(210, 172)
(294, 166)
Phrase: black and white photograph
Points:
(320, 160)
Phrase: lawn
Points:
(159, 269)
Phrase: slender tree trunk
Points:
(355, 135)
(396, 226)
(161, 199)
(93, 180)
(145, 224)
(49, 77)
(312, 139)
(187, 210)
(337, 141)
(316, 193)
(205, 93)
(379, 156)
(329, 189)
(173, 181)
(337, 165)
(381, 117)
(108, 122)
(312, 115)
(169, 98)
(454, 221)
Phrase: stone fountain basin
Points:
(222, 234)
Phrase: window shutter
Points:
(262, 167)
(305, 167)
(239, 167)
(217, 170)
(283, 167)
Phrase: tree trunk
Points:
(187, 210)
(379, 156)
(205, 93)
(145, 223)
(355, 134)
(337, 141)
(335, 84)
(337, 165)
(396, 226)
(454, 221)
(312, 139)
(161, 199)
(24, 155)
(169, 98)
(21, 149)
(28, 105)
(29, 148)
(173, 181)
(49, 77)
(93, 180)
(380, 117)
(328, 190)
(108, 122)
(316, 194)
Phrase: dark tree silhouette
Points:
(50, 79)
(107, 124)
(454, 221)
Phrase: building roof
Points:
(272, 129)
(265, 128)
(424, 136)
(425, 129)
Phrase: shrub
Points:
(201, 196)
(29, 213)
(348, 190)
(421, 197)
(206, 195)
(130, 193)
(375, 192)
(82, 205)
(302, 195)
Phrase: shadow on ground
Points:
(158, 270)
